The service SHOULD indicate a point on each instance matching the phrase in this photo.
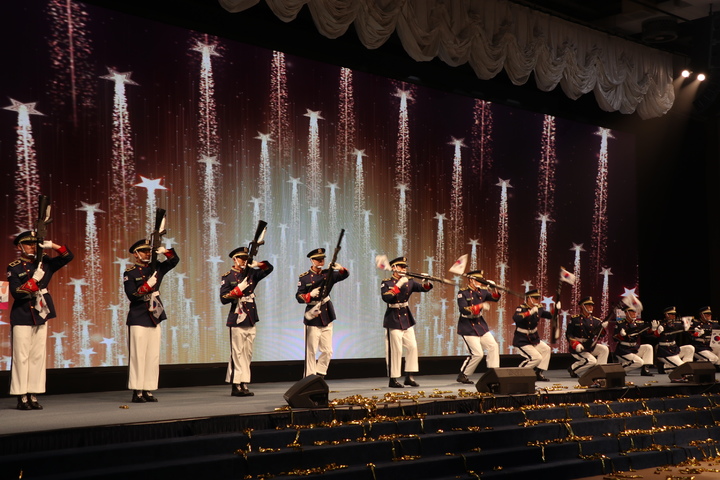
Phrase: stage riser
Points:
(502, 441)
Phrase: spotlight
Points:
(686, 73)
(701, 77)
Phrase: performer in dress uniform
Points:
(666, 331)
(238, 289)
(631, 354)
(473, 328)
(142, 287)
(701, 333)
(399, 323)
(319, 312)
(526, 338)
(32, 307)
(582, 334)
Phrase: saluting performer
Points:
(473, 328)
(526, 338)
(399, 323)
(32, 307)
(238, 289)
(142, 288)
(631, 354)
(701, 332)
(319, 312)
(582, 334)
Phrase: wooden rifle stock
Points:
(156, 236)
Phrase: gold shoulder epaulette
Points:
(304, 273)
(130, 268)
(16, 262)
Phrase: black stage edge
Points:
(107, 379)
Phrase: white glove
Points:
(39, 274)
(533, 310)
(337, 266)
(254, 264)
(243, 285)
(654, 324)
(401, 282)
(46, 244)
(604, 324)
(152, 280)
(161, 250)
(623, 333)
(579, 348)
(660, 329)
(315, 292)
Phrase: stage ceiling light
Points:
(685, 73)
(701, 77)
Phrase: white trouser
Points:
(537, 356)
(476, 345)
(144, 362)
(395, 340)
(241, 350)
(633, 361)
(586, 360)
(707, 356)
(318, 339)
(28, 359)
(686, 355)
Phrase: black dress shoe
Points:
(394, 384)
(410, 382)
(462, 378)
(572, 372)
(539, 377)
(645, 372)
(34, 403)
(23, 403)
(149, 397)
(138, 397)
(241, 390)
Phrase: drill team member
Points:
(142, 288)
(473, 328)
(238, 289)
(319, 312)
(32, 307)
(526, 338)
(399, 323)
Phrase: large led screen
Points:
(113, 116)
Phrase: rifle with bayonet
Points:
(43, 219)
(156, 237)
(258, 239)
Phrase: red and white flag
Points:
(632, 301)
(4, 295)
(382, 262)
(566, 276)
(459, 266)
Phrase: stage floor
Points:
(114, 408)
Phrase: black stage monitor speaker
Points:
(505, 381)
(611, 375)
(310, 392)
(694, 372)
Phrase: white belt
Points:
(666, 344)
(524, 330)
(398, 305)
(247, 298)
(324, 300)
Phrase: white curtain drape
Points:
(492, 35)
